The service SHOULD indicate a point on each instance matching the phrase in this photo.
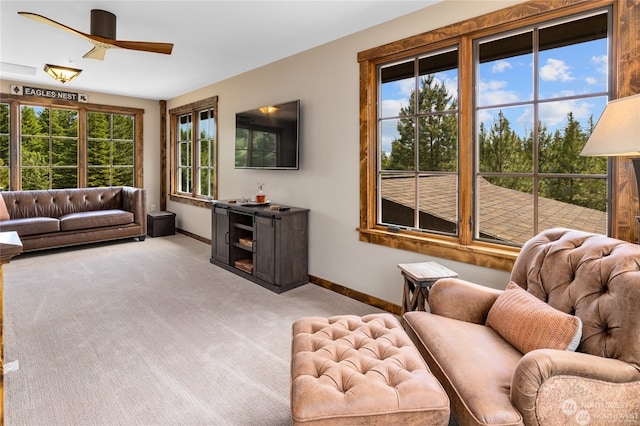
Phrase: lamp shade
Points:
(617, 132)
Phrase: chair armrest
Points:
(461, 300)
(135, 201)
(553, 387)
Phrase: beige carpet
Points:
(149, 333)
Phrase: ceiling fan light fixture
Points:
(61, 74)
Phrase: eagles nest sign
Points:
(48, 93)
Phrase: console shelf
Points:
(266, 246)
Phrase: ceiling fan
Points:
(103, 35)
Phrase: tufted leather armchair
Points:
(593, 277)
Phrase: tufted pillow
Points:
(528, 323)
(4, 213)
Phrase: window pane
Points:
(397, 139)
(123, 153)
(505, 73)
(35, 178)
(35, 152)
(505, 140)
(565, 129)
(184, 127)
(98, 152)
(64, 178)
(397, 84)
(398, 199)
(573, 203)
(573, 58)
(34, 120)
(438, 82)
(184, 154)
(64, 152)
(98, 125)
(98, 176)
(505, 209)
(438, 142)
(438, 200)
(64, 123)
(122, 127)
(122, 176)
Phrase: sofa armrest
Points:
(135, 201)
(553, 387)
(461, 300)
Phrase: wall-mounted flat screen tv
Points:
(268, 137)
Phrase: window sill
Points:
(477, 253)
(191, 201)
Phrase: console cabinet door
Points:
(220, 237)
(264, 257)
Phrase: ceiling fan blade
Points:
(164, 48)
(101, 43)
(96, 53)
(51, 22)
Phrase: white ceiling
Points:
(213, 40)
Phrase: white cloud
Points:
(554, 113)
(591, 80)
(494, 93)
(555, 70)
(500, 67)
(391, 107)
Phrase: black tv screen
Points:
(268, 137)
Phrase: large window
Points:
(193, 143)
(418, 143)
(48, 148)
(68, 145)
(471, 141)
(538, 95)
(110, 149)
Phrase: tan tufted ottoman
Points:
(361, 370)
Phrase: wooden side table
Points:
(418, 279)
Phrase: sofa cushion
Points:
(4, 213)
(474, 364)
(528, 323)
(31, 226)
(95, 219)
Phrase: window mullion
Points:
(466, 141)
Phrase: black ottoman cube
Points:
(161, 223)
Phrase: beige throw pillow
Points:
(528, 323)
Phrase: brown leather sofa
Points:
(489, 381)
(64, 217)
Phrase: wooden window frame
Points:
(463, 248)
(193, 198)
(83, 108)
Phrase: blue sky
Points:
(563, 72)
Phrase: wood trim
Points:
(356, 295)
(82, 148)
(163, 155)
(138, 158)
(625, 199)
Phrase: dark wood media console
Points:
(265, 245)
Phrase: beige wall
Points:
(151, 129)
(325, 79)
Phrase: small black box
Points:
(160, 224)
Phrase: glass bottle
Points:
(261, 197)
